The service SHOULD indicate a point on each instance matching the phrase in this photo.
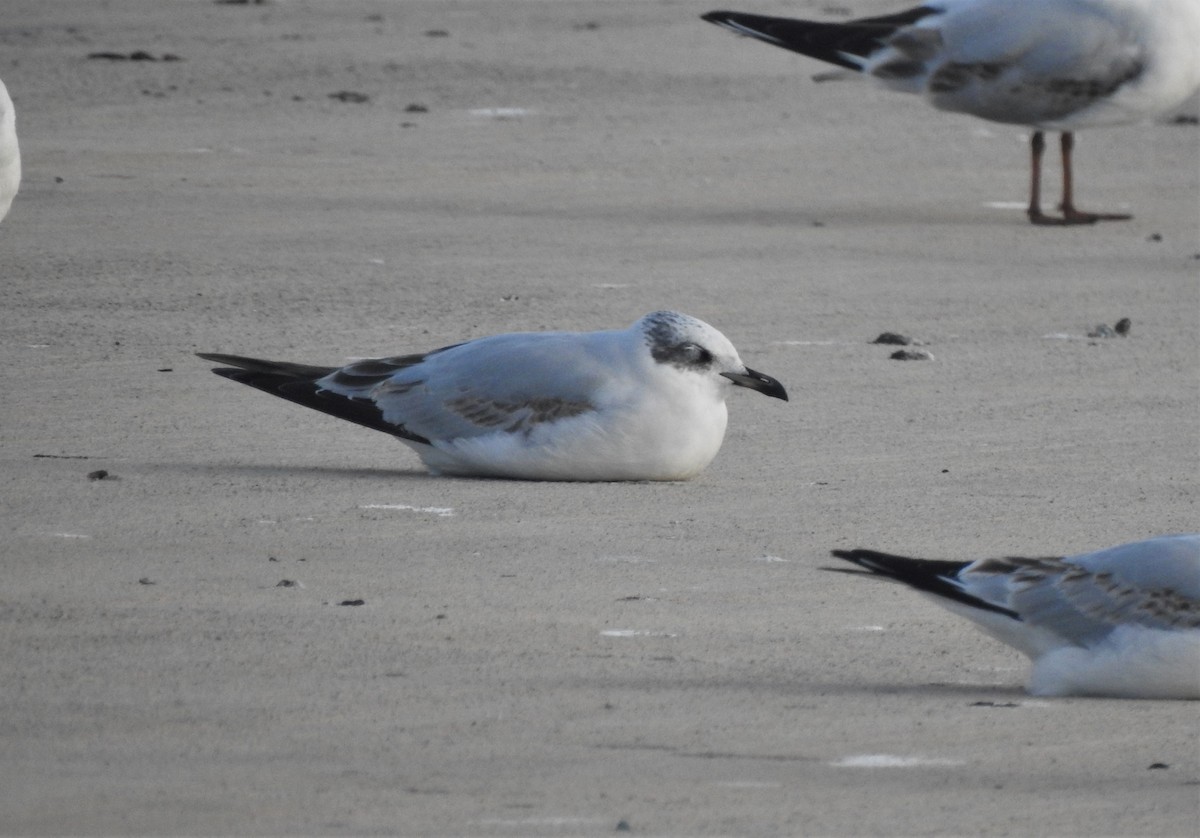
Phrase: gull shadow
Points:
(804, 687)
(280, 470)
(276, 470)
(801, 217)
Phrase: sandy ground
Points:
(556, 659)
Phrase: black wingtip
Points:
(297, 383)
(933, 576)
(851, 572)
(287, 369)
(834, 43)
(902, 568)
(232, 373)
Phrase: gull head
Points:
(692, 346)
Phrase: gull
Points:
(643, 403)
(1051, 65)
(1122, 622)
(10, 153)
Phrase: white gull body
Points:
(1048, 64)
(643, 403)
(10, 152)
(1122, 622)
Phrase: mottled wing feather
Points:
(369, 373)
(1037, 67)
(1082, 598)
(1030, 587)
(509, 383)
(516, 416)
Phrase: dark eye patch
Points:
(685, 354)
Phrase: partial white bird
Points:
(1122, 622)
(1054, 65)
(10, 153)
(643, 403)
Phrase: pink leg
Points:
(1071, 215)
(1037, 145)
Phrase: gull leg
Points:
(1071, 215)
(1037, 145)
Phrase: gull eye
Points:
(694, 354)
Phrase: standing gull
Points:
(1053, 65)
(643, 403)
(10, 153)
(1122, 622)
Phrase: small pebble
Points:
(353, 602)
(911, 355)
(146, 580)
(893, 339)
(1121, 329)
(417, 107)
(287, 583)
(623, 826)
(1154, 766)
(350, 96)
(98, 474)
(136, 55)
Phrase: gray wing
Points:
(1037, 63)
(1153, 583)
(511, 383)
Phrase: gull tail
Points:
(299, 383)
(930, 576)
(847, 44)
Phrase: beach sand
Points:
(551, 658)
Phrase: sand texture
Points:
(548, 658)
